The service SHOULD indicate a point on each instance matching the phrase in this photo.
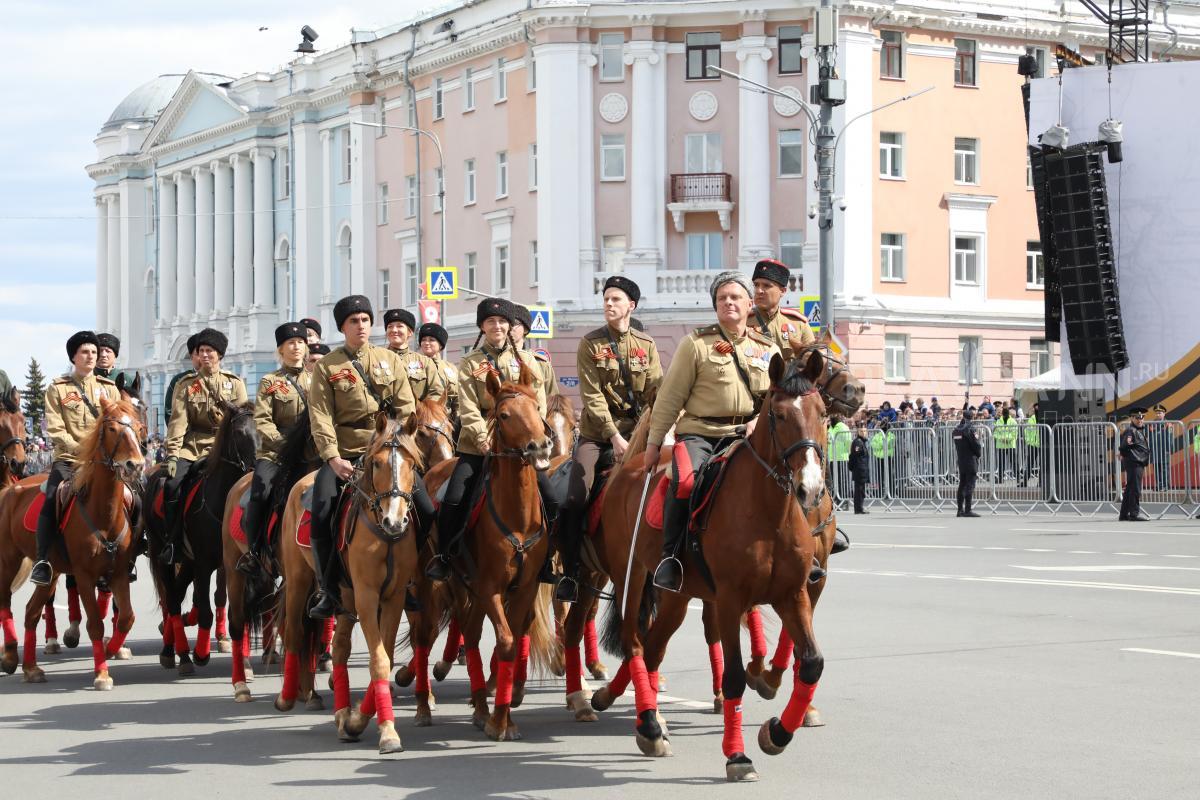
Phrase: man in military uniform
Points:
(349, 387)
(422, 373)
(498, 356)
(1160, 439)
(72, 408)
(967, 446)
(169, 396)
(195, 417)
(1135, 455)
(618, 367)
(432, 338)
(860, 469)
(522, 324)
(315, 353)
(312, 333)
(282, 399)
(717, 378)
(786, 327)
(106, 359)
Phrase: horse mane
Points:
(794, 382)
(429, 411)
(229, 412)
(88, 455)
(296, 439)
(560, 404)
(408, 444)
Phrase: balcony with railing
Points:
(698, 192)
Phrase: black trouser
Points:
(860, 495)
(256, 516)
(966, 485)
(589, 462)
(172, 501)
(688, 456)
(47, 524)
(1131, 500)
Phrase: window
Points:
(612, 254)
(410, 195)
(533, 263)
(501, 80)
(702, 152)
(791, 154)
(385, 288)
(612, 47)
(530, 72)
(1039, 55)
(1101, 58)
(1028, 171)
(502, 268)
(1039, 357)
(439, 188)
(410, 281)
(502, 174)
(533, 169)
(891, 155)
(151, 216)
(468, 91)
(702, 49)
(895, 357)
(791, 251)
(966, 260)
(704, 251)
(790, 60)
(891, 56)
(612, 156)
(381, 204)
(439, 96)
(412, 110)
(347, 154)
(471, 261)
(891, 256)
(966, 160)
(469, 182)
(283, 161)
(1035, 266)
(964, 62)
(970, 359)
(381, 108)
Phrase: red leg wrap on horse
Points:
(591, 644)
(221, 627)
(420, 668)
(652, 676)
(758, 640)
(10, 627)
(731, 741)
(383, 700)
(327, 637)
(114, 644)
(239, 661)
(30, 647)
(574, 670)
(716, 660)
(475, 669)
(367, 706)
(453, 640)
(73, 612)
(783, 651)
(504, 683)
(341, 687)
(192, 617)
(802, 695)
(168, 630)
(291, 677)
(51, 621)
(203, 643)
(246, 641)
(181, 641)
(98, 657)
(620, 681)
(102, 600)
(643, 697)
(522, 661)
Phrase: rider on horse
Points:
(423, 375)
(618, 367)
(312, 331)
(786, 327)
(717, 378)
(432, 338)
(282, 399)
(106, 356)
(72, 408)
(169, 397)
(195, 418)
(522, 323)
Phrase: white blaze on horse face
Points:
(127, 429)
(391, 513)
(812, 477)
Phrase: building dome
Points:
(146, 102)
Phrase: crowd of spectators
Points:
(909, 413)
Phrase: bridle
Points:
(240, 464)
(374, 502)
(499, 450)
(439, 431)
(14, 467)
(110, 459)
(781, 473)
(834, 367)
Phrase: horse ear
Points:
(776, 369)
(410, 424)
(105, 404)
(493, 383)
(136, 387)
(381, 420)
(120, 381)
(814, 366)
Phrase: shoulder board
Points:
(793, 313)
(233, 375)
(708, 330)
(542, 354)
(598, 334)
(62, 379)
(645, 337)
(105, 381)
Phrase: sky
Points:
(64, 67)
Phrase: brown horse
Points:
(434, 432)
(98, 537)
(759, 549)
(12, 439)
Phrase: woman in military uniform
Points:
(282, 399)
(72, 408)
(522, 324)
(422, 373)
(195, 417)
(431, 339)
(717, 378)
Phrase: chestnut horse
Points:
(758, 548)
(97, 535)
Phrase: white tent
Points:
(1046, 382)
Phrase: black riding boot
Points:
(47, 526)
(329, 599)
(449, 524)
(172, 550)
(669, 573)
(570, 540)
(816, 572)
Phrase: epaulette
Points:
(542, 354)
(106, 381)
(598, 334)
(708, 330)
(61, 379)
(794, 314)
(645, 337)
(231, 375)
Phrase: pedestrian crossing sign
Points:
(542, 320)
(811, 307)
(442, 283)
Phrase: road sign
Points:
(810, 305)
(442, 283)
(429, 311)
(542, 320)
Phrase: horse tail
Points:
(22, 575)
(544, 646)
(610, 634)
(442, 605)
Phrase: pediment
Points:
(197, 106)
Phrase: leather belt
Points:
(736, 420)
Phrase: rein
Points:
(781, 472)
(374, 502)
(12, 462)
(834, 368)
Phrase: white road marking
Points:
(1129, 554)
(900, 546)
(1173, 555)
(1115, 568)
(889, 546)
(1140, 530)
(1082, 552)
(683, 701)
(1159, 652)
(1039, 550)
(995, 548)
(1123, 587)
(897, 525)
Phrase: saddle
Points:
(64, 500)
(192, 487)
(235, 522)
(701, 492)
(341, 513)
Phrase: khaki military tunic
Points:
(602, 387)
(277, 407)
(449, 375)
(703, 382)
(194, 416)
(474, 400)
(423, 374)
(341, 408)
(787, 328)
(68, 418)
(546, 370)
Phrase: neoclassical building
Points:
(579, 139)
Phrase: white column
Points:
(327, 297)
(222, 236)
(754, 157)
(589, 252)
(113, 276)
(306, 196)
(185, 280)
(204, 239)
(362, 193)
(643, 255)
(857, 250)
(101, 263)
(243, 234)
(168, 226)
(264, 227)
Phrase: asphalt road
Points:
(1000, 657)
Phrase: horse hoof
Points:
(662, 723)
(480, 720)
(423, 719)
(224, 645)
(340, 718)
(578, 705)
(662, 683)
(325, 663)
(185, 666)
(390, 745)
(812, 718)
(766, 742)
(598, 671)
(718, 705)
(52, 648)
(518, 696)
(248, 670)
(9, 665)
(440, 670)
(404, 677)
(356, 724)
(241, 693)
(602, 699)
(462, 658)
(655, 748)
(34, 675)
(71, 637)
(201, 661)
(740, 769)
(122, 654)
(103, 683)
(270, 657)
(314, 703)
(284, 705)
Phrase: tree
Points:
(35, 395)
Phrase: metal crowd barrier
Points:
(1165, 479)
(1192, 461)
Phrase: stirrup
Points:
(42, 573)
(567, 590)
(324, 607)
(668, 574)
(248, 564)
(166, 556)
(438, 568)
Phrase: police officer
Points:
(967, 446)
(195, 417)
(1135, 455)
(312, 331)
(786, 327)
(431, 339)
(618, 367)
(282, 399)
(72, 404)
(106, 359)
(717, 378)
(860, 468)
(169, 396)
(522, 324)
(497, 355)
(422, 373)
